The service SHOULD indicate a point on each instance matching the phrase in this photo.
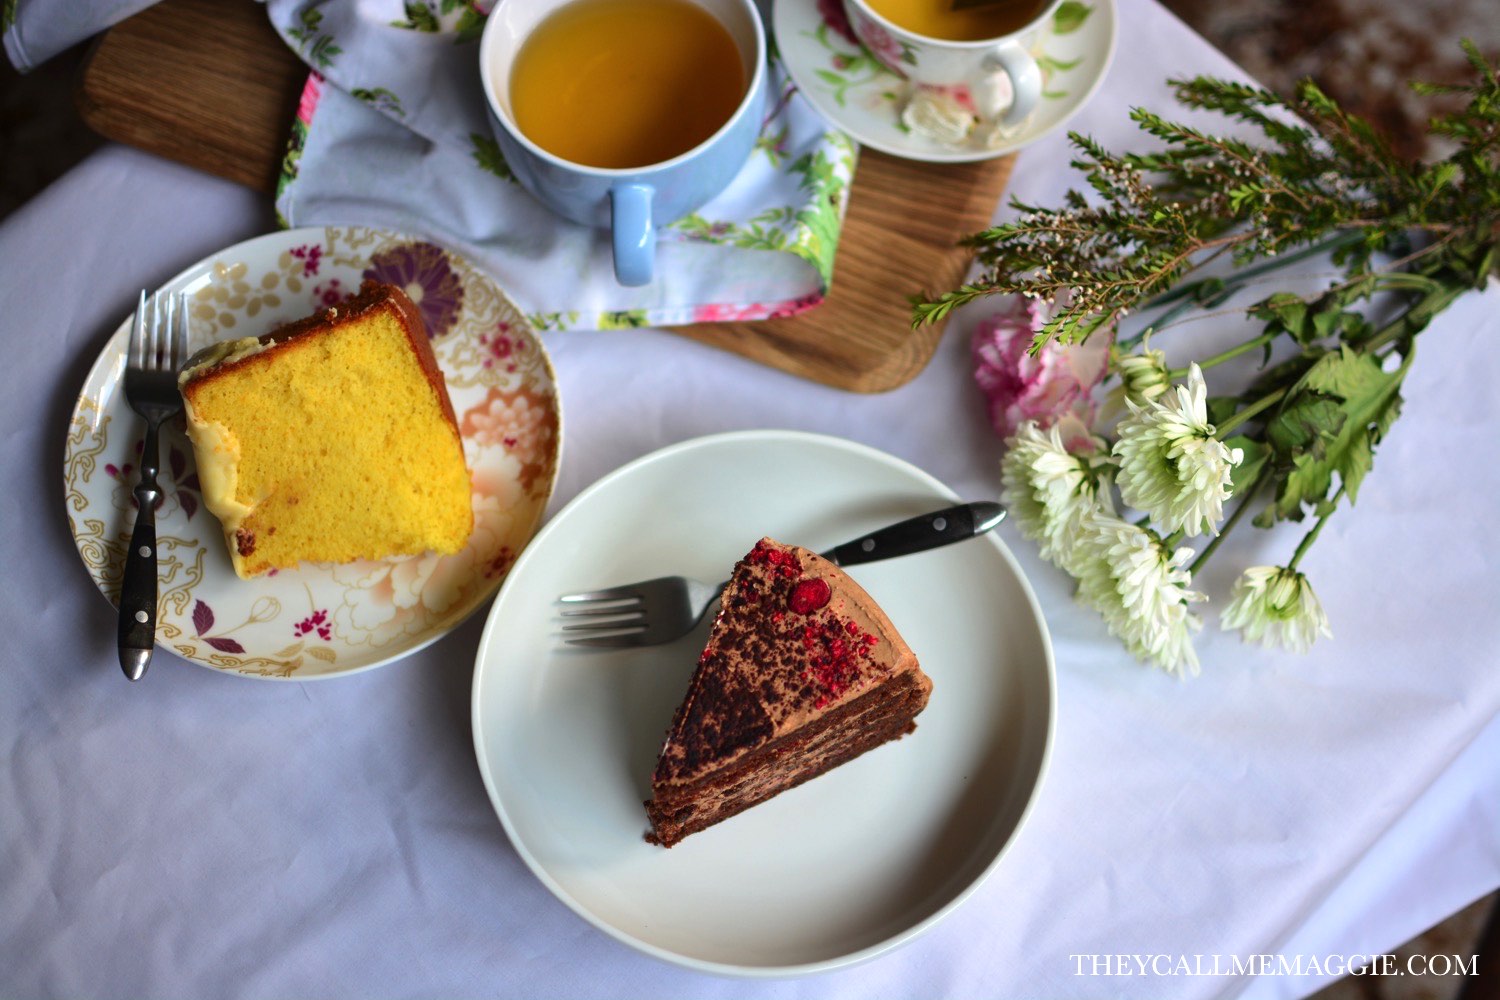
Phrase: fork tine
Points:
(612, 594)
(637, 624)
(168, 335)
(622, 641)
(633, 605)
(629, 612)
(180, 340)
(153, 332)
(135, 355)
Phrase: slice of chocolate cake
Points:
(802, 672)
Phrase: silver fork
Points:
(158, 346)
(657, 611)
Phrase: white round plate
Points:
(322, 620)
(826, 874)
(851, 88)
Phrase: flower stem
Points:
(1415, 317)
(1312, 535)
(1241, 277)
(1269, 399)
(1224, 356)
(1234, 519)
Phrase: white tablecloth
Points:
(203, 835)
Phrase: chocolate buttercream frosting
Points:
(797, 645)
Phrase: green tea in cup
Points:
(625, 83)
(942, 19)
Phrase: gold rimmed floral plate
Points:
(853, 88)
(322, 620)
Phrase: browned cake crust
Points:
(372, 296)
(802, 672)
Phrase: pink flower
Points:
(330, 294)
(716, 312)
(886, 49)
(796, 307)
(317, 622)
(833, 14)
(310, 254)
(959, 94)
(518, 421)
(307, 105)
(1053, 386)
(720, 313)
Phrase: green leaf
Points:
(1307, 482)
(1052, 64)
(1371, 401)
(1305, 425)
(1343, 406)
(1487, 263)
(622, 319)
(1243, 476)
(1440, 176)
(1284, 312)
(1070, 17)
(419, 17)
(1221, 408)
(470, 26)
(486, 153)
(1346, 373)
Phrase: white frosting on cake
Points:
(216, 450)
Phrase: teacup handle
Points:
(1014, 61)
(633, 233)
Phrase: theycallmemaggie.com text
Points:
(1274, 965)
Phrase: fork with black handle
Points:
(158, 342)
(653, 612)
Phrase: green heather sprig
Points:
(1319, 179)
(1407, 238)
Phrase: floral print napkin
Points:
(392, 131)
(36, 30)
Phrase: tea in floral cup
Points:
(983, 45)
(625, 114)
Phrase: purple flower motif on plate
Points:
(423, 272)
(203, 620)
(310, 255)
(316, 622)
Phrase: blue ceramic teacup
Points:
(632, 202)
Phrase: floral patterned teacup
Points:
(630, 202)
(1000, 73)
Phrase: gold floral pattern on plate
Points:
(323, 620)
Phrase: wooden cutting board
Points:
(210, 84)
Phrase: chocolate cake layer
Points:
(874, 718)
(802, 671)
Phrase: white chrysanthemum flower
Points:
(1276, 606)
(1047, 489)
(1141, 590)
(1171, 465)
(1144, 376)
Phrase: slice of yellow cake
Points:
(330, 439)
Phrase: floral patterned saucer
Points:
(323, 620)
(854, 91)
